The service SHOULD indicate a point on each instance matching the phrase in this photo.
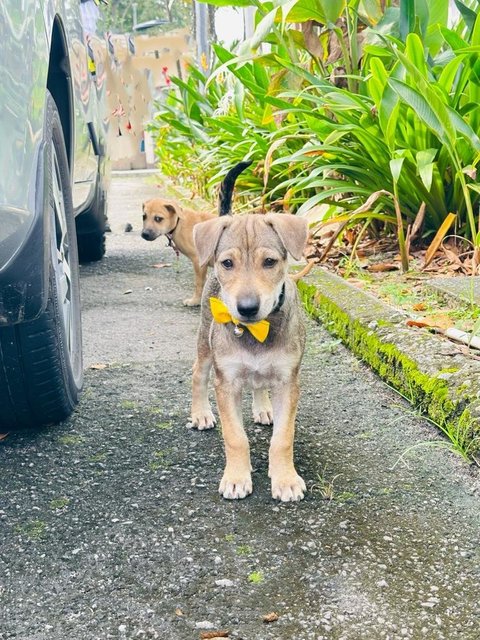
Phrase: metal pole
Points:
(249, 21)
(134, 9)
(201, 22)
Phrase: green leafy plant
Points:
(362, 99)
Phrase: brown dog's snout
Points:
(248, 306)
(148, 234)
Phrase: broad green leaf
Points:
(475, 37)
(332, 9)
(449, 73)
(420, 106)
(438, 16)
(431, 97)
(230, 3)
(425, 166)
(263, 28)
(389, 97)
(453, 39)
(415, 53)
(391, 127)
(464, 128)
(370, 11)
(467, 14)
(407, 18)
(377, 81)
(323, 11)
(396, 165)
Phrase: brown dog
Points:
(250, 295)
(167, 218)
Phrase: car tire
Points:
(41, 368)
(91, 242)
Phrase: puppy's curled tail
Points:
(304, 272)
(226, 188)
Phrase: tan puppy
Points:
(167, 218)
(250, 278)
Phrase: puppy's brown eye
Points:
(227, 264)
(158, 219)
(268, 263)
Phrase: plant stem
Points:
(401, 236)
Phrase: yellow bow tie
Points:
(220, 313)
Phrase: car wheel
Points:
(41, 369)
(91, 241)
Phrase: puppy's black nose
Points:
(248, 307)
(147, 235)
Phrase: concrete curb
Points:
(431, 372)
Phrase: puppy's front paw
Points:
(202, 420)
(192, 302)
(235, 485)
(288, 487)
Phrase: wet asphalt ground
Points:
(111, 525)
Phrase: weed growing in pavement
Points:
(128, 404)
(323, 486)
(460, 440)
(159, 462)
(98, 457)
(163, 426)
(59, 503)
(33, 530)
(244, 550)
(345, 496)
(255, 577)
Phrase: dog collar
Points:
(169, 237)
(222, 315)
(281, 300)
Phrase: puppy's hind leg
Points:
(202, 416)
(200, 277)
(262, 407)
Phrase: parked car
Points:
(53, 181)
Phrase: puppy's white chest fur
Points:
(257, 370)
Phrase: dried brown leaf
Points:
(162, 265)
(379, 267)
(418, 222)
(439, 321)
(270, 617)
(211, 635)
(439, 236)
(420, 306)
(178, 612)
(99, 366)
(312, 41)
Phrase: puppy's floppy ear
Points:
(293, 231)
(171, 209)
(175, 209)
(206, 236)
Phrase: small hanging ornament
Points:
(238, 330)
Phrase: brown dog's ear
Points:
(171, 209)
(293, 231)
(206, 236)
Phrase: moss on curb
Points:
(428, 393)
